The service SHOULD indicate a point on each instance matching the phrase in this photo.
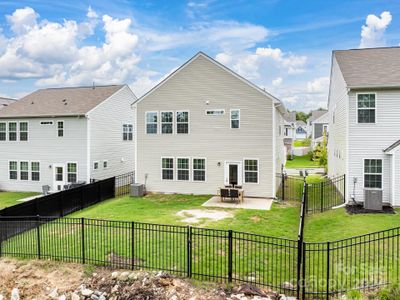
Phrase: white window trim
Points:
(363, 176)
(376, 108)
(77, 170)
(161, 122)
(123, 126)
(98, 165)
(145, 122)
(244, 170)
(62, 129)
(173, 168)
(20, 170)
(105, 161)
(16, 131)
(19, 131)
(230, 117)
(215, 109)
(205, 169)
(176, 168)
(176, 121)
(40, 171)
(17, 170)
(5, 122)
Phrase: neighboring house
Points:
(315, 114)
(301, 130)
(4, 102)
(289, 131)
(204, 127)
(320, 127)
(364, 128)
(63, 135)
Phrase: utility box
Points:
(373, 199)
(137, 190)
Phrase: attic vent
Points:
(215, 112)
(46, 123)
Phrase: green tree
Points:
(320, 154)
(302, 116)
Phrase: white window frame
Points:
(26, 171)
(67, 171)
(176, 121)
(215, 110)
(96, 162)
(16, 131)
(172, 123)
(145, 122)
(27, 131)
(244, 170)
(177, 169)
(193, 169)
(5, 131)
(375, 109)
(16, 170)
(106, 162)
(173, 168)
(31, 170)
(129, 132)
(63, 128)
(230, 118)
(363, 177)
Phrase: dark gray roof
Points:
(6, 101)
(70, 101)
(290, 116)
(393, 146)
(315, 114)
(374, 67)
(300, 123)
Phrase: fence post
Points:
(189, 251)
(299, 257)
(38, 235)
(230, 255)
(83, 239)
(344, 188)
(133, 244)
(303, 260)
(327, 270)
(322, 196)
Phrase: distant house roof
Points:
(70, 101)
(301, 123)
(324, 118)
(6, 101)
(315, 114)
(373, 67)
(290, 116)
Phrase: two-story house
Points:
(320, 127)
(301, 130)
(204, 127)
(6, 102)
(58, 136)
(314, 115)
(289, 130)
(364, 123)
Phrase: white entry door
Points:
(233, 173)
(58, 176)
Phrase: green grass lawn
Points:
(301, 162)
(10, 198)
(302, 143)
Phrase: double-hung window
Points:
(127, 132)
(366, 108)
(24, 170)
(23, 131)
(373, 173)
(167, 168)
(72, 172)
(167, 118)
(35, 171)
(251, 170)
(60, 128)
(235, 118)
(3, 131)
(182, 122)
(151, 122)
(199, 169)
(12, 131)
(13, 170)
(182, 168)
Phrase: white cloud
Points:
(277, 81)
(22, 20)
(318, 85)
(291, 99)
(372, 33)
(223, 58)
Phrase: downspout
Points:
(273, 150)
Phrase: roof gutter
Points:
(42, 116)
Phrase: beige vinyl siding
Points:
(46, 147)
(210, 136)
(106, 142)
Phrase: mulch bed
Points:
(355, 209)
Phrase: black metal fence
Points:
(123, 183)
(290, 187)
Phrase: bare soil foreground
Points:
(20, 279)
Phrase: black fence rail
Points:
(290, 187)
(123, 183)
(209, 254)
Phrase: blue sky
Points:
(283, 46)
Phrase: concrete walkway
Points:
(248, 203)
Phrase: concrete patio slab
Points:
(248, 203)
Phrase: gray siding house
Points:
(320, 126)
(364, 123)
(204, 127)
(58, 136)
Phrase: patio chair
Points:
(234, 194)
(224, 193)
(45, 189)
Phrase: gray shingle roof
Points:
(290, 116)
(374, 67)
(6, 101)
(301, 123)
(71, 101)
(315, 114)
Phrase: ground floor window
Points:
(199, 169)
(183, 168)
(13, 170)
(72, 172)
(251, 170)
(35, 171)
(373, 173)
(24, 170)
(167, 168)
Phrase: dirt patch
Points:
(255, 219)
(359, 209)
(193, 216)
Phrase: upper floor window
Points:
(12, 131)
(251, 170)
(151, 122)
(23, 131)
(35, 171)
(215, 112)
(235, 118)
(3, 131)
(167, 119)
(182, 122)
(60, 128)
(366, 108)
(127, 132)
(373, 173)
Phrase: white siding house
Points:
(64, 135)
(364, 129)
(204, 127)
(320, 127)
